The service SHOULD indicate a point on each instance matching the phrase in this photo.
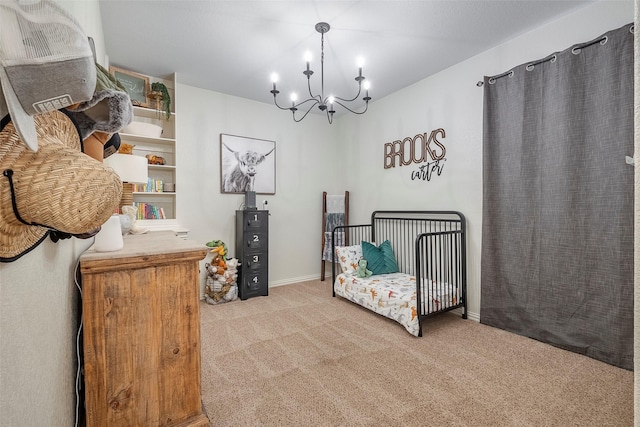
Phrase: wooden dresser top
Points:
(140, 250)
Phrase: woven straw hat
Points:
(56, 188)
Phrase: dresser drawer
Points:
(255, 261)
(256, 219)
(256, 241)
(253, 283)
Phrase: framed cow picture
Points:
(247, 164)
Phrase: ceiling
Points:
(232, 47)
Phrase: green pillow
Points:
(380, 260)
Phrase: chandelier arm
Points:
(307, 112)
(352, 99)
(366, 106)
(296, 105)
(313, 99)
(276, 103)
(311, 93)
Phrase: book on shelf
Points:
(153, 185)
(149, 211)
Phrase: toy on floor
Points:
(222, 275)
(219, 247)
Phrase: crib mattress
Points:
(394, 296)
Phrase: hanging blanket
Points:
(333, 219)
(326, 251)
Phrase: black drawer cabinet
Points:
(252, 249)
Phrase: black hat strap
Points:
(9, 174)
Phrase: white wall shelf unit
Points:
(154, 199)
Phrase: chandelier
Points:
(325, 104)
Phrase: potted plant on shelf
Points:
(160, 93)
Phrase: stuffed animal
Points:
(361, 270)
(232, 294)
(219, 263)
(125, 148)
(218, 247)
(152, 159)
(230, 276)
(211, 269)
(232, 264)
(132, 213)
(222, 276)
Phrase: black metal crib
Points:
(430, 245)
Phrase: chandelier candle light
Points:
(324, 104)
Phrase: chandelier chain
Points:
(321, 69)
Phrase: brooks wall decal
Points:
(422, 148)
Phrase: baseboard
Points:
(288, 281)
(294, 280)
(471, 316)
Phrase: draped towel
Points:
(334, 217)
(335, 204)
(326, 252)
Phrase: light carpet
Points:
(301, 357)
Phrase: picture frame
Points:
(247, 164)
(137, 85)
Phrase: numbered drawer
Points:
(256, 240)
(254, 281)
(257, 219)
(255, 261)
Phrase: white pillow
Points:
(348, 257)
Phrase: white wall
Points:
(452, 101)
(305, 167)
(39, 312)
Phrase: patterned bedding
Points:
(394, 296)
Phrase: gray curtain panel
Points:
(557, 232)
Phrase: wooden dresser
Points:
(142, 333)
